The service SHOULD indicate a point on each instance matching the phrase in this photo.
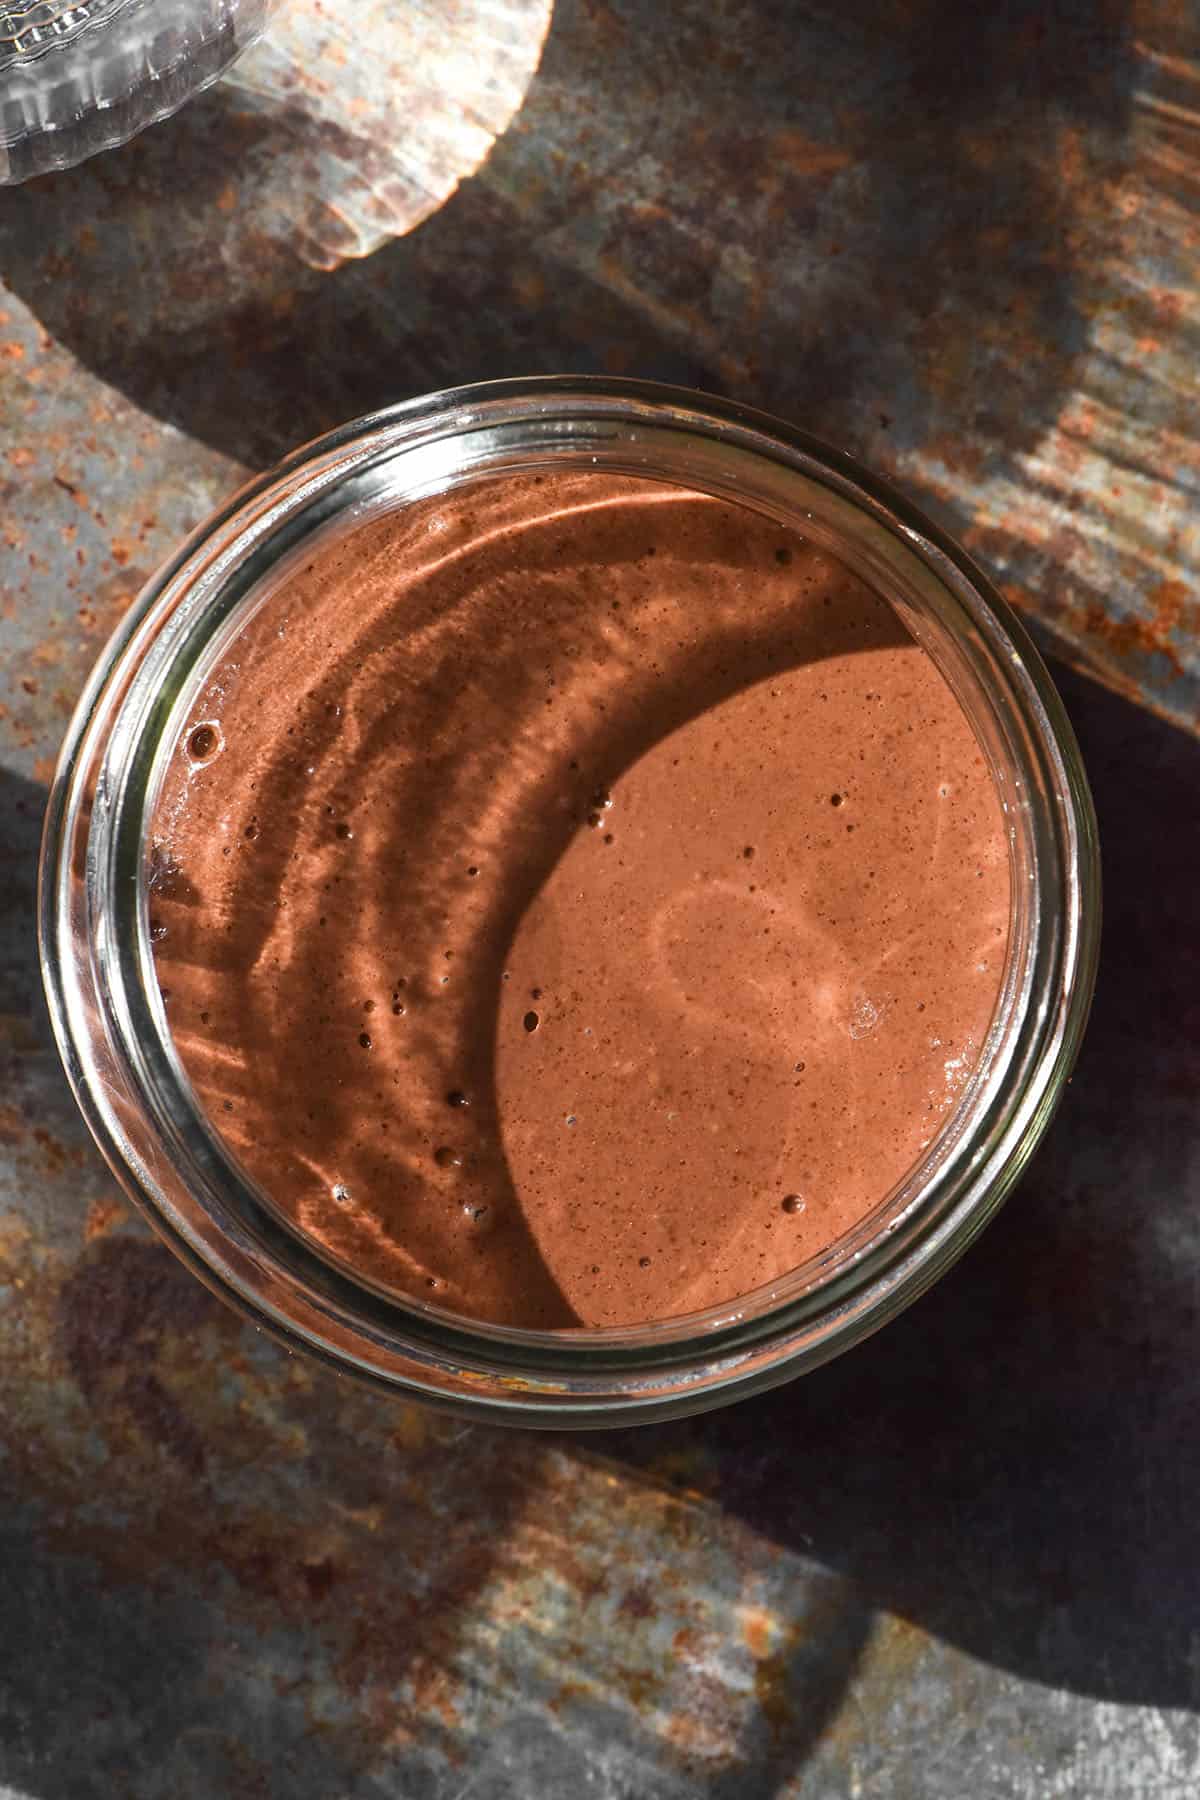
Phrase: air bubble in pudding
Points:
(205, 742)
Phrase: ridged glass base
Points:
(78, 78)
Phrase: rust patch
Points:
(637, 1602)
(757, 1631)
(772, 1682)
(1133, 636)
(1174, 608)
(803, 156)
(412, 1430)
(56, 1156)
(102, 1215)
(689, 1470)
(114, 1313)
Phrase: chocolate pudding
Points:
(577, 900)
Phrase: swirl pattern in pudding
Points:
(577, 900)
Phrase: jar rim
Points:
(118, 1053)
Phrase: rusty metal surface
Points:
(963, 242)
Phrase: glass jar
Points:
(78, 76)
(108, 1013)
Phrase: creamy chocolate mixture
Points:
(577, 900)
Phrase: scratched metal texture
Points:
(962, 241)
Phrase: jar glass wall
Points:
(111, 1023)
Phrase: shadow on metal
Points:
(902, 252)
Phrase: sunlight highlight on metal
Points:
(375, 113)
(1139, 532)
